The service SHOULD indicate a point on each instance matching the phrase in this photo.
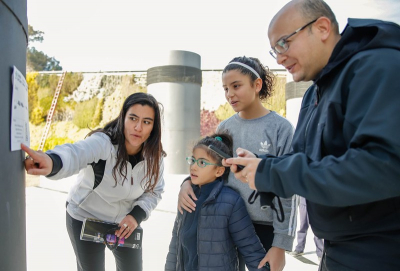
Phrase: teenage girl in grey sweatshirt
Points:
(246, 83)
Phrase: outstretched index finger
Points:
(28, 150)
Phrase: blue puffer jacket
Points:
(223, 225)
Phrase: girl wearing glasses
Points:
(247, 83)
(206, 239)
(120, 178)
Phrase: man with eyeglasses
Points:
(346, 148)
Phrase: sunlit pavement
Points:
(49, 248)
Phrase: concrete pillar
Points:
(294, 95)
(176, 83)
(13, 44)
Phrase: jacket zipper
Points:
(208, 200)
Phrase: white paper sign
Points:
(19, 111)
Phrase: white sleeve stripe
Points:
(293, 216)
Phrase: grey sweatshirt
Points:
(270, 134)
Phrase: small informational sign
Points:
(19, 111)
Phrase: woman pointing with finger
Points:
(119, 178)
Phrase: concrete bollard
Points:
(176, 83)
(294, 95)
(13, 43)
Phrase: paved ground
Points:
(49, 248)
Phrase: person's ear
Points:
(258, 84)
(324, 28)
(220, 171)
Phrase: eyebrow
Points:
(207, 160)
(134, 115)
(234, 82)
(283, 37)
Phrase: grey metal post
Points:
(294, 95)
(13, 44)
(176, 84)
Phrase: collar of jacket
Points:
(219, 183)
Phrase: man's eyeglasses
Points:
(282, 46)
(201, 162)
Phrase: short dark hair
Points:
(313, 9)
(221, 140)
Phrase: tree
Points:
(34, 35)
(37, 60)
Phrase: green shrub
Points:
(53, 141)
(47, 85)
(84, 113)
(45, 104)
(45, 92)
(98, 114)
(277, 101)
(133, 79)
(48, 81)
(224, 111)
(109, 83)
(71, 83)
(32, 91)
(36, 117)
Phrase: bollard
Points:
(13, 44)
(176, 84)
(294, 93)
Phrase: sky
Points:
(132, 35)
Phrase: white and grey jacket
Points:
(95, 194)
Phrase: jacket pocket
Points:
(366, 213)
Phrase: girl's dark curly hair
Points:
(268, 78)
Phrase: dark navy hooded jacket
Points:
(346, 147)
(223, 225)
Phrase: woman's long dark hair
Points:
(152, 150)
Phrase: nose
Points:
(193, 167)
(138, 126)
(280, 58)
(229, 93)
